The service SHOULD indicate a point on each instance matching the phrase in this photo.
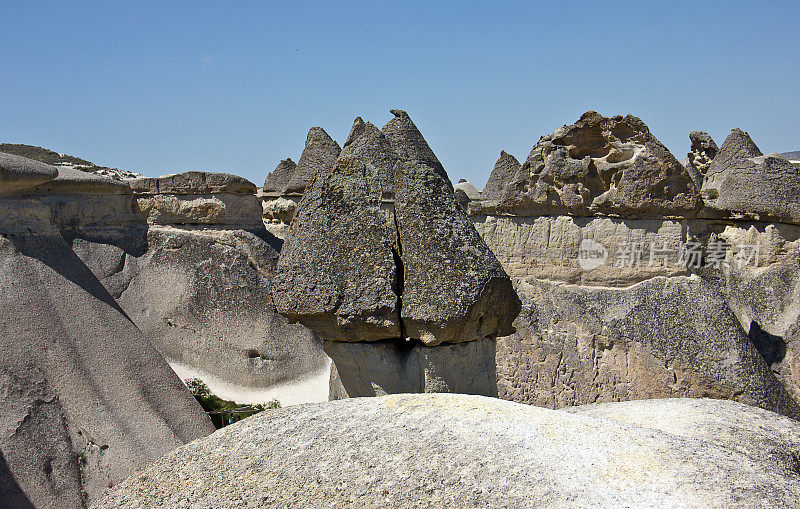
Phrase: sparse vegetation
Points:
(221, 411)
(712, 194)
(50, 157)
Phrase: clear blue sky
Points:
(234, 86)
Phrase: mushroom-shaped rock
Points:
(278, 180)
(336, 273)
(367, 143)
(704, 150)
(454, 288)
(600, 165)
(194, 182)
(319, 155)
(408, 142)
(741, 181)
(18, 173)
(504, 170)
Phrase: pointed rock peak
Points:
(407, 140)
(368, 144)
(359, 128)
(319, 155)
(503, 173)
(738, 145)
(278, 180)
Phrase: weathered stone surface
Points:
(704, 150)
(599, 165)
(397, 367)
(368, 144)
(72, 181)
(466, 192)
(278, 180)
(743, 183)
(454, 289)
(18, 173)
(665, 337)
(87, 399)
(448, 450)
(242, 211)
(504, 170)
(319, 156)
(194, 182)
(337, 273)
(408, 142)
(203, 299)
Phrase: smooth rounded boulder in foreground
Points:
(449, 450)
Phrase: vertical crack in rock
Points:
(399, 277)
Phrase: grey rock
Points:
(194, 182)
(368, 144)
(504, 170)
(792, 156)
(72, 181)
(336, 273)
(243, 211)
(665, 337)
(704, 150)
(87, 399)
(319, 155)
(468, 188)
(743, 183)
(607, 166)
(277, 182)
(451, 450)
(408, 142)
(392, 367)
(454, 289)
(18, 173)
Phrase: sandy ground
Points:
(312, 389)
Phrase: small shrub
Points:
(223, 412)
(712, 194)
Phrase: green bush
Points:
(221, 411)
(712, 194)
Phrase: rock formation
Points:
(87, 398)
(443, 450)
(369, 145)
(612, 166)
(741, 182)
(279, 179)
(18, 173)
(504, 170)
(704, 150)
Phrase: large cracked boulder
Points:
(446, 450)
(741, 182)
(87, 399)
(599, 165)
(662, 338)
(18, 173)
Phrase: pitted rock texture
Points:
(454, 288)
(18, 173)
(504, 170)
(662, 338)
(220, 209)
(453, 450)
(72, 181)
(336, 273)
(400, 367)
(741, 182)
(87, 399)
(704, 150)
(193, 182)
(369, 145)
(609, 166)
(319, 155)
(278, 180)
(408, 142)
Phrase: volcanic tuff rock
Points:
(742, 182)
(665, 337)
(87, 398)
(18, 173)
(448, 450)
(336, 272)
(504, 170)
(454, 288)
(599, 165)
(408, 143)
(277, 182)
(704, 150)
(319, 155)
(194, 182)
(368, 144)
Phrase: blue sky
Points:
(234, 86)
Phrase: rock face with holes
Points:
(741, 182)
(704, 150)
(486, 453)
(599, 165)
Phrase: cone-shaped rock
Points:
(408, 142)
(740, 181)
(454, 288)
(18, 173)
(278, 180)
(601, 165)
(319, 155)
(367, 143)
(336, 273)
(504, 170)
